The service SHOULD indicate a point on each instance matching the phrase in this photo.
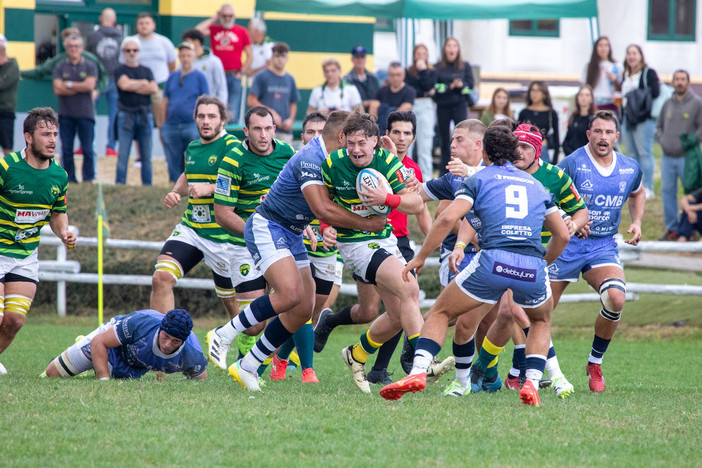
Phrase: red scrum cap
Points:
(530, 135)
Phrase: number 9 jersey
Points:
(511, 205)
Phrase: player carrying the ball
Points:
(374, 256)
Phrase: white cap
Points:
(3, 40)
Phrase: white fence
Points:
(63, 271)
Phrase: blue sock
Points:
(273, 337)
(599, 346)
(551, 352)
(535, 364)
(464, 354)
(258, 311)
(519, 359)
(429, 346)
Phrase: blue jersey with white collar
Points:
(511, 205)
(285, 204)
(604, 189)
(139, 352)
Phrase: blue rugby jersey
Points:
(285, 204)
(139, 353)
(604, 189)
(511, 205)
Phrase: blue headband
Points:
(177, 323)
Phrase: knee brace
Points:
(607, 310)
(17, 304)
(170, 267)
(64, 366)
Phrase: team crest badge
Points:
(55, 191)
(244, 269)
(373, 245)
(622, 186)
(212, 160)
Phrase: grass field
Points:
(649, 415)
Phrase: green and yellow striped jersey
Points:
(340, 178)
(321, 251)
(565, 195)
(244, 179)
(201, 165)
(28, 197)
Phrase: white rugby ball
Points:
(374, 179)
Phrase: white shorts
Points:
(325, 268)
(339, 269)
(215, 254)
(79, 356)
(243, 268)
(27, 267)
(364, 258)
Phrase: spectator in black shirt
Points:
(421, 76)
(579, 121)
(395, 96)
(365, 81)
(135, 85)
(539, 112)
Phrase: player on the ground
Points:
(245, 177)
(401, 129)
(274, 237)
(373, 256)
(129, 346)
(566, 197)
(605, 179)
(198, 236)
(512, 206)
(32, 194)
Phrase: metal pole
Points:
(61, 285)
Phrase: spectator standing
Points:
(691, 217)
(158, 54)
(365, 82)
(540, 113)
(74, 80)
(135, 86)
(9, 81)
(261, 47)
(334, 94)
(638, 136)
(682, 113)
(104, 42)
(183, 87)
(500, 107)
(421, 76)
(603, 76)
(229, 41)
(579, 121)
(275, 89)
(453, 86)
(208, 64)
(395, 96)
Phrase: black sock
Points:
(385, 352)
(343, 317)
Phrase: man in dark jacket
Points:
(9, 79)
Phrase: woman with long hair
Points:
(453, 86)
(499, 108)
(540, 113)
(579, 120)
(602, 75)
(421, 75)
(638, 136)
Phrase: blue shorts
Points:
(269, 242)
(582, 255)
(445, 273)
(492, 272)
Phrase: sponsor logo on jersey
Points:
(307, 174)
(584, 168)
(513, 272)
(622, 186)
(25, 233)
(212, 160)
(23, 216)
(201, 214)
(516, 179)
(587, 185)
(402, 174)
(309, 165)
(245, 269)
(223, 185)
(259, 178)
(21, 191)
(626, 170)
(605, 201)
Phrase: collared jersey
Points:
(139, 353)
(511, 205)
(558, 183)
(604, 189)
(201, 165)
(340, 178)
(245, 178)
(28, 197)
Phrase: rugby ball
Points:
(374, 179)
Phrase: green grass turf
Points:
(649, 415)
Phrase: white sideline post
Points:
(61, 285)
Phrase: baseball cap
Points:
(358, 51)
(187, 45)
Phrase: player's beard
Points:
(215, 134)
(39, 154)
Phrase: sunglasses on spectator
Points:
(130, 50)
